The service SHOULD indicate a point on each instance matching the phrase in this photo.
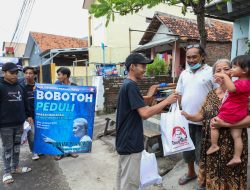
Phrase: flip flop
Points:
(185, 179)
(21, 170)
(200, 188)
(73, 155)
(197, 187)
(58, 157)
(7, 178)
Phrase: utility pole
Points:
(129, 40)
(103, 53)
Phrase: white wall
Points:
(98, 31)
(116, 35)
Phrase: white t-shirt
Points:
(194, 87)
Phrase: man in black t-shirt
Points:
(131, 109)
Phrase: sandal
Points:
(7, 178)
(73, 155)
(200, 188)
(58, 157)
(197, 187)
(185, 179)
(21, 170)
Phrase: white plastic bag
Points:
(26, 128)
(149, 170)
(175, 132)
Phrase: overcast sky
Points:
(62, 17)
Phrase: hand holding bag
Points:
(26, 128)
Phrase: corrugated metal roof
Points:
(240, 8)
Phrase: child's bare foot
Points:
(234, 161)
(212, 149)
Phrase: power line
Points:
(25, 20)
(22, 31)
(22, 22)
(19, 20)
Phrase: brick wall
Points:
(217, 51)
(112, 86)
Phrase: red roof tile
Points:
(217, 31)
(51, 41)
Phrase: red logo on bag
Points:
(179, 135)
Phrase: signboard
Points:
(64, 118)
(106, 70)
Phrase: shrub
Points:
(158, 67)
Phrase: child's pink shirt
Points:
(235, 107)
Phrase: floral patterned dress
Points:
(213, 171)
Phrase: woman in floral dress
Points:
(214, 174)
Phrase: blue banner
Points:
(64, 118)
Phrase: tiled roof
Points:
(51, 41)
(217, 31)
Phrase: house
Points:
(169, 36)
(49, 51)
(15, 50)
(113, 43)
(238, 12)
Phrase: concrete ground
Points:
(94, 171)
(91, 171)
(45, 174)
(97, 170)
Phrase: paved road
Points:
(45, 174)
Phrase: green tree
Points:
(108, 8)
(158, 67)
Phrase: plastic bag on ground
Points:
(149, 170)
